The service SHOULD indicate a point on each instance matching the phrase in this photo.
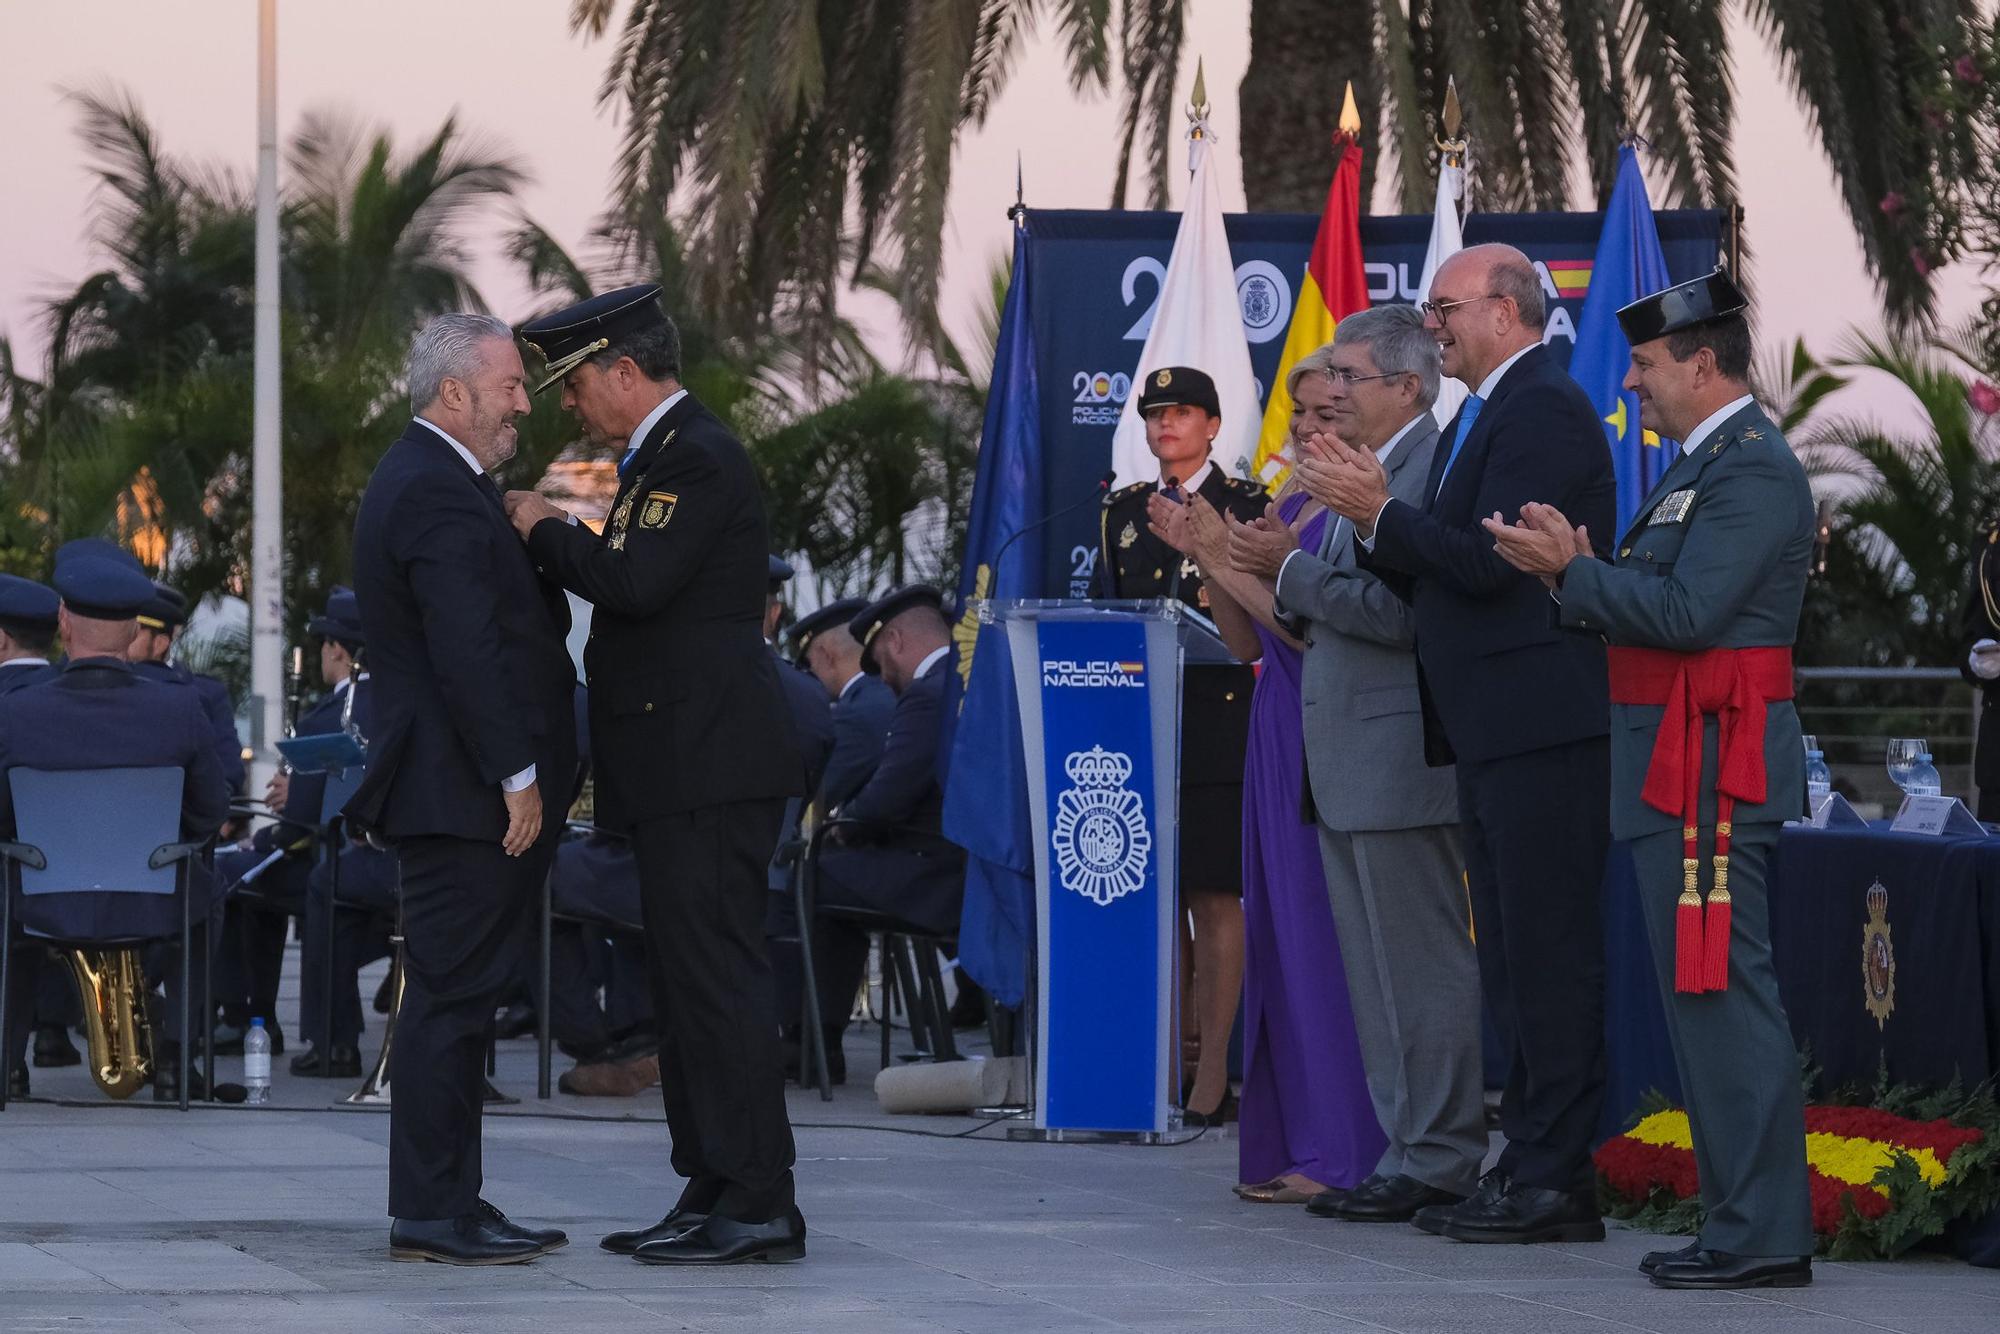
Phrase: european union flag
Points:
(1628, 266)
(986, 811)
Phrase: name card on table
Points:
(1936, 815)
(1835, 813)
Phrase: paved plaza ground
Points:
(271, 1219)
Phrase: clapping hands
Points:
(1351, 482)
(1541, 542)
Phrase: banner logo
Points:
(1098, 395)
(1100, 837)
(1878, 958)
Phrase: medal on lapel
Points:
(620, 516)
(1673, 508)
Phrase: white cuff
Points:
(1368, 542)
(524, 779)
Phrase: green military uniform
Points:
(1717, 559)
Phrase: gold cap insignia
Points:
(1163, 379)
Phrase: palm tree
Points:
(808, 137)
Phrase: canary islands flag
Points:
(1628, 266)
(1334, 288)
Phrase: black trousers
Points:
(702, 889)
(466, 917)
(1537, 828)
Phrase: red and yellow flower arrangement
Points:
(1881, 1182)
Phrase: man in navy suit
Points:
(471, 765)
(99, 714)
(1523, 708)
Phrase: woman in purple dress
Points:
(1306, 1122)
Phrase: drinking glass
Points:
(1902, 759)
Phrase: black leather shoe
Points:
(17, 1080)
(724, 1241)
(1224, 1113)
(676, 1224)
(1324, 1204)
(548, 1238)
(1396, 1200)
(1432, 1217)
(1529, 1214)
(472, 1240)
(1650, 1262)
(167, 1076)
(344, 1062)
(1720, 1269)
(53, 1049)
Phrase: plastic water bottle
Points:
(1924, 780)
(1819, 781)
(257, 1063)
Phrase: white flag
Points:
(1198, 323)
(1447, 239)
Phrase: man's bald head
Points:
(1486, 304)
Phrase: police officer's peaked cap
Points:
(567, 337)
(26, 602)
(98, 547)
(342, 618)
(868, 622)
(1709, 297)
(1172, 386)
(808, 627)
(166, 609)
(101, 589)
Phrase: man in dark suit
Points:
(812, 718)
(27, 637)
(1523, 707)
(99, 714)
(471, 761)
(160, 623)
(862, 703)
(694, 755)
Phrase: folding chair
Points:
(103, 831)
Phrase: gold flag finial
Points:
(1454, 117)
(1199, 101)
(1350, 115)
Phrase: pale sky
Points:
(514, 74)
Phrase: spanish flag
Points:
(1334, 288)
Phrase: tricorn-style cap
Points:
(565, 338)
(1708, 297)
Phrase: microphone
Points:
(1096, 493)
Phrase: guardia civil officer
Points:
(694, 756)
(1183, 415)
(1700, 606)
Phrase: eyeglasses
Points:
(1344, 379)
(1443, 309)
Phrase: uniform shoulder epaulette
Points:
(1125, 491)
(1244, 486)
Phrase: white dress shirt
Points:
(646, 424)
(526, 778)
(1485, 396)
(852, 682)
(930, 661)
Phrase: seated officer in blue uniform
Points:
(161, 621)
(812, 720)
(900, 866)
(100, 714)
(822, 645)
(27, 638)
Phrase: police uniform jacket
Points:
(812, 719)
(860, 726)
(1132, 563)
(1716, 558)
(472, 682)
(218, 707)
(100, 714)
(19, 675)
(686, 708)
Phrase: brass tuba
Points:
(117, 1029)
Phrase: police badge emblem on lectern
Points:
(1100, 836)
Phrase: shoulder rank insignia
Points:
(659, 509)
(1128, 536)
(1752, 433)
(1673, 508)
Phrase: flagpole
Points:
(267, 592)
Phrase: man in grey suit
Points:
(1388, 823)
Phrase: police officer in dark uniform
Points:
(812, 714)
(160, 623)
(97, 714)
(823, 645)
(693, 752)
(27, 637)
(1183, 415)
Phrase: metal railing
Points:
(1855, 710)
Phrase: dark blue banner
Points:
(1101, 961)
(1096, 279)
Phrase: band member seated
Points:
(901, 867)
(161, 621)
(100, 714)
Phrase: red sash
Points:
(1732, 685)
